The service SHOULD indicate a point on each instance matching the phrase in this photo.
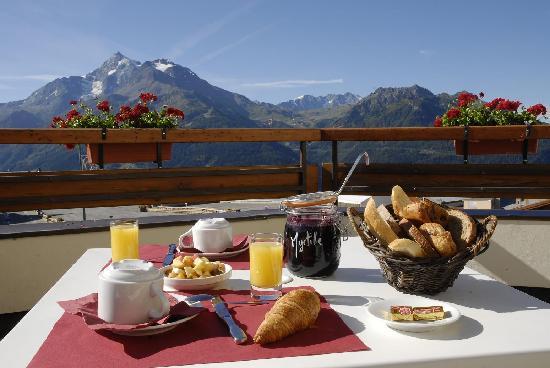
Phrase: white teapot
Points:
(130, 292)
(212, 235)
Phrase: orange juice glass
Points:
(124, 240)
(266, 266)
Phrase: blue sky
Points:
(276, 50)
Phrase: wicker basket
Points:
(421, 276)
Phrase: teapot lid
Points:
(131, 270)
(212, 223)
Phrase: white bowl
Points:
(380, 309)
(171, 284)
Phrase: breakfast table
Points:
(499, 327)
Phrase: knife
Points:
(221, 310)
(170, 255)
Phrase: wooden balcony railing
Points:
(69, 189)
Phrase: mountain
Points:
(120, 80)
(309, 102)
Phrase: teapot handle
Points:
(156, 293)
(181, 244)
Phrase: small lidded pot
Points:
(130, 292)
(312, 240)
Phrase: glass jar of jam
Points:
(312, 240)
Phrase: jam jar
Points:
(312, 240)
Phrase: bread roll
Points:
(387, 216)
(417, 211)
(440, 238)
(377, 225)
(399, 200)
(436, 213)
(413, 232)
(407, 247)
(294, 312)
(462, 227)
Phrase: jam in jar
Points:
(312, 241)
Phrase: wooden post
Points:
(334, 172)
(303, 165)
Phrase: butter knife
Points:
(170, 255)
(221, 310)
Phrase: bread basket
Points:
(426, 275)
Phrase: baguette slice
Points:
(407, 247)
(462, 227)
(387, 216)
(413, 232)
(417, 211)
(399, 200)
(439, 238)
(377, 224)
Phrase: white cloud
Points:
(206, 31)
(38, 77)
(292, 83)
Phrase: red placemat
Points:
(204, 339)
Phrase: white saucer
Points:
(154, 330)
(215, 256)
(381, 310)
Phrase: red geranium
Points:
(508, 105)
(104, 106)
(72, 114)
(123, 114)
(438, 122)
(69, 146)
(171, 111)
(493, 104)
(138, 110)
(73, 102)
(453, 113)
(466, 98)
(538, 109)
(146, 97)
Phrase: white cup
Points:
(210, 235)
(130, 292)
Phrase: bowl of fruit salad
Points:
(194, 273)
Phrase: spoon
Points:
(328, 197)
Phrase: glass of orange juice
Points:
(266, 266)
(124, 240)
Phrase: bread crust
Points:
(377, 225)
(388, 217)
(416, 211)
(439, 238)
(413, 232)
(462, 228)
(407, 247)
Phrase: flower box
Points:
(128, 152)
(496, 147)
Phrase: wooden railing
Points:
(20, 191)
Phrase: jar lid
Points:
(131, 270)
(309, 200)
(212, 223)
(325, 209)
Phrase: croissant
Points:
(294, 312)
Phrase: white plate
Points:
(381, 310)
(154, 330)
(194, 284)
(214, 256)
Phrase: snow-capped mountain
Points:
(309, 102)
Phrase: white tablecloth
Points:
(500, 326)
